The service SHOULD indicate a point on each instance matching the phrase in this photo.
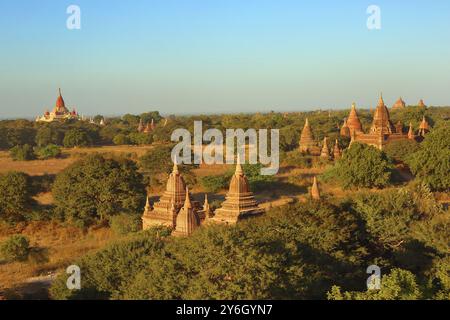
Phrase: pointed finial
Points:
(175, 166)
(306, 122)
(187, 201)
(381, 101)
(239, 170)
(59, 89)
(206, 199)
(148, 205)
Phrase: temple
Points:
(399, 104)
(239, 203)
(382, 130)
(147, 128)
(422, 104)
(307, 143)
(59, 113)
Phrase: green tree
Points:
(77, 137)
(361, 166)
(138, 138)
(48, 152)
(431, 164)
(15, 248)
(397, 285)
(96, 188)
(121, 139)
(401, 149)
(48, 135)
(15, 196)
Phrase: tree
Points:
(399, 284)
(121, 139)
(431, 164)
(361, 166)
(401, 149)
(15, 248)
(140, 138)
(77, 137)
(15, 196)
(48, 135)
(96, 188)
(22, 153)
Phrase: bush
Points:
(298, 159)
(361, 166)
(48, 152)
(22, 153)
(125, 223)
(138, 138)
(15, 248)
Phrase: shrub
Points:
(48, 152)
(22, 153)
(298, 159)
(124, 223)
(15, 248)
(139, 138)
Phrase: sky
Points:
(221, 56)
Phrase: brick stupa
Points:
(239, 203)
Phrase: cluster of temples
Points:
(148, 128)
(381, 132)
(59, 113)
(175, 208)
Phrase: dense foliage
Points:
(301, 251)
(15, 248)
(96, 188)
(15, 196)
(431, 163)
(361, 165)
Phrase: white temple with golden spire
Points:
(59, 113)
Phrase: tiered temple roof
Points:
(239, 203)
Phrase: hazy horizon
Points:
(194, 57)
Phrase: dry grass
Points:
(54, 247)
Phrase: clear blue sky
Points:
(193, 56)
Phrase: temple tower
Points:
(422, 104)
(239, 202)
(424, 127)
(399, 104)
(353, 122)
(306, 138)
(164, 211)
(381, 122)
(325, 152)
(187, 220)
(336, 151)
(411, 132)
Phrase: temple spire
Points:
(175, 166)
(187, 201)
(410, 132)
(239, 170)
(381, 101)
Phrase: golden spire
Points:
(306, 122)
(148, 206)
(410, 131)
(175, 166)
(187, 201)
(381, 101)
(239, 170)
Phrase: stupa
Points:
(399, 104)
(239, 203)
(187, 220)
(315, 193)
